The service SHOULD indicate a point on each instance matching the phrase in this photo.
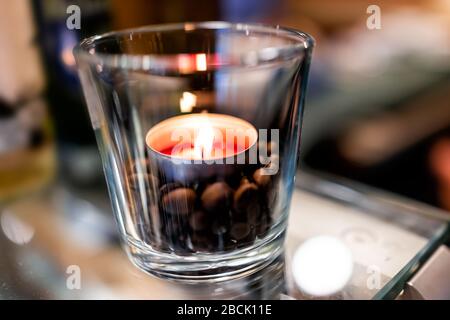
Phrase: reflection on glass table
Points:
(347, 242)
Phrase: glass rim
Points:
(301, 43)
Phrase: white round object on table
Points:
(322, 266)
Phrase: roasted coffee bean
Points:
(199, 220)
(262, 179)
(217, 197)
(179, 201)
(244, 180)
(239, 231)
(166, 188)
(246, 201)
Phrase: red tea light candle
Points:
(202, 136)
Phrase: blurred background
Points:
(378, 107)
(377, 110)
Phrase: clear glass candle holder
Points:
(198, 125)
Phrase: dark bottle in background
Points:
(78, 155)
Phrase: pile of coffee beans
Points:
(221, 213)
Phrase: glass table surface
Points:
(59, 244)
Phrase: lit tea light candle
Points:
(207, 181)
(201, 136)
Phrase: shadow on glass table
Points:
(56, 245)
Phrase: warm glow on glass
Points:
(204, 141)
(68, 58)
(200, 60)
(187, 102)
(189, 26)
(184, 63)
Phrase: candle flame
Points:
(204, 141)
(187, 102)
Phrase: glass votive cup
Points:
(198, 126)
